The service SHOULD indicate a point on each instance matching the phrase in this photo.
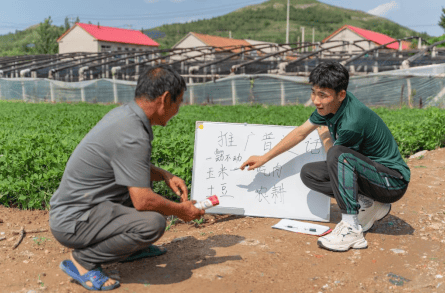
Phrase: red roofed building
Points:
(370, 39)
(84, 37)
(194, 40)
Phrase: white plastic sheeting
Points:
(390, 88)
(92, 91)
(429, 70)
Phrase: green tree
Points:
(67, 24)
(77, 20)
(437, 39)
(442, 19)
(47, 35)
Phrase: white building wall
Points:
(78, 40)
(191, 42)
(109, 46)
(349, 36)
(268, 50)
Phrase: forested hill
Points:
(267, 22)
(37, 39)
(262, 22)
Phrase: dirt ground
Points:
(244, 254)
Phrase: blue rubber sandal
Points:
(96, 277)
(150, 251)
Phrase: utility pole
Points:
(302, 38)
(313, 37)
(299, 44)
(287, 26)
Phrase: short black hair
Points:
(331, 75)
(154, 81)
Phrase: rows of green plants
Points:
(36, 140)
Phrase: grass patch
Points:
(36, 140)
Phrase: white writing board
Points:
(273, 190)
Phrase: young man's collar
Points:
(334, 118)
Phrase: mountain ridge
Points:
(266, 21)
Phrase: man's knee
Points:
(304, 174)
(158, 223)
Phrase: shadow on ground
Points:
(181, 259)
(390, 225)
(229, 218)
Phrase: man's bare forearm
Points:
(288, 142)
(156, 173)
(165, 206)
(325, 137)
(146, 200)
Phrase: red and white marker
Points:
(208, 203)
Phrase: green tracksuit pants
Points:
(346, 173)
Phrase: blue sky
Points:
(421, 16)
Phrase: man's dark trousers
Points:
(346, 173)
(112, 232)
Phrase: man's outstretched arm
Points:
(289, 141)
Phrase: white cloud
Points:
(150, 1)
(184, 19)
(383, 9)
(176, 1)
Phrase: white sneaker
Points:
(343, 237)
(371, 211)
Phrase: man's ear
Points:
(166, 99)
(163, 101)
(341, 95)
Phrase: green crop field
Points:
(36, 140)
